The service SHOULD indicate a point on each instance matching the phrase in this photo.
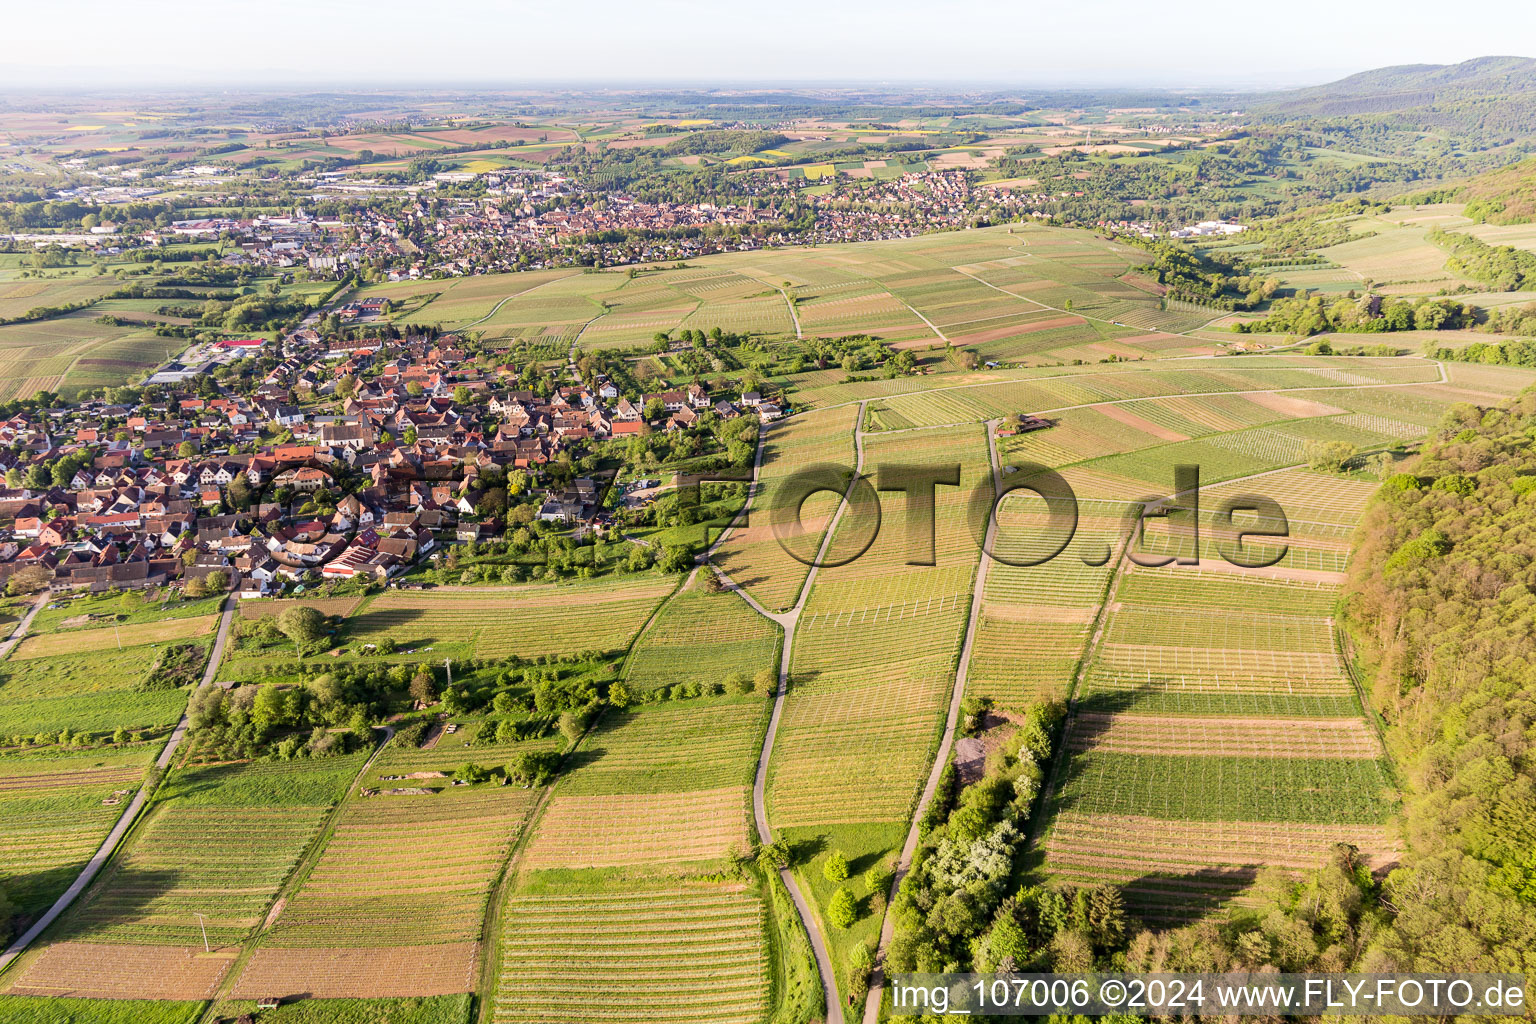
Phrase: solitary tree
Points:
(302, 624)
(424, 687)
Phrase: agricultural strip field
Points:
(223, 863)
(70, 353)
(693, 745)
(370, 899)
(1216, 730)
(55, 810)
(1002, 291)
(343, 606)
(77, 641)
(525, 621)
(611, 831)
(656, 792)
(208, 859)
(1035, 619)
(873, 667)
(687, 954)
(700, 637)
(988, 401)
(873, 663)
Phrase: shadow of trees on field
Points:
(121, 895)
(1163, 898)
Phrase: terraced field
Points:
(1216, 701)
(656, 792)
(612, 831)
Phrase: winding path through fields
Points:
(131, 812)
(951, 722)
(788, 620)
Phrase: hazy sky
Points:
(291, 43)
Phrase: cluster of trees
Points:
(1365, 314)
(1292, 235)
(1440, 601)
(1502, 267)
(46, 473)
(260, 312)
(1499, 353)
(733, 442)
(1195, 278)
(70, 214)
(726, 141)
(954, 910)
(306, 627)
(323, 715)
(1511, 319)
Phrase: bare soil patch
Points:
(1120, 414)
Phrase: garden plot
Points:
(684, 955)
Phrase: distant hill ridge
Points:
(1484, 102)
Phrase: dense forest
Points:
(1442, 600)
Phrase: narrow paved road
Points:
(951, 723)
(20, 632)
(793, 315)
(130, 813)
(788, 621)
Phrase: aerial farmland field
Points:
(1029, 627)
